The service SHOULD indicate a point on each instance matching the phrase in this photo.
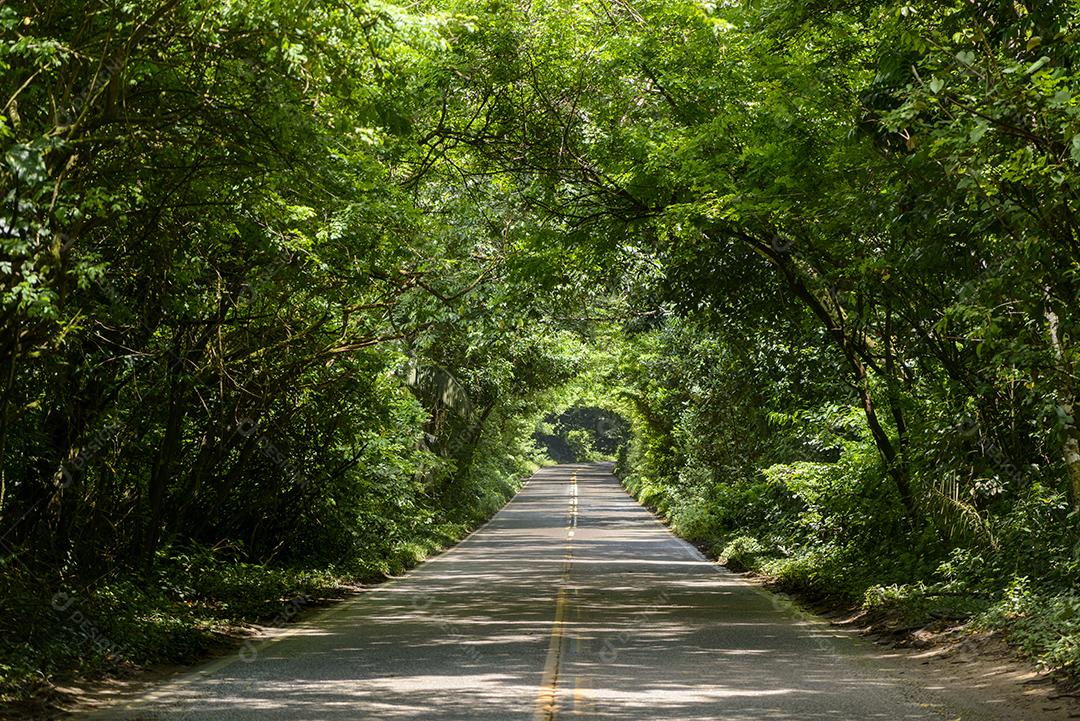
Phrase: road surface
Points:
(573, 602)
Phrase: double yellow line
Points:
(547, 699)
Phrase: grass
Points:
(197, 601)
(897, 589)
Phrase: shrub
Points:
(742, 553)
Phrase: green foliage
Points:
(920, 604)
(581, 443)
(123, 622)
(246, 304)
(583, 433)
(1044, 625)
(742, 553)
(851, 332)
(300, 282)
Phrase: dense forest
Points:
(290, 289)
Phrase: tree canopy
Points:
(295, 282)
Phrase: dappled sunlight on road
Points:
(573, 601)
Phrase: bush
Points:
(581, 443)
(742, 553)
(1044, 626)
(696, 521)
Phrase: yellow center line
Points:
(581, 701)
(547, 698)
(581, 696)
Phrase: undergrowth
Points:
(196, 600)
(814, 530)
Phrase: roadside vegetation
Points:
(864, 385)
(291, 290)
(583, 433)
(255, 347)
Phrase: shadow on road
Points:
(647, 629)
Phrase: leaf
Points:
(1037, 65)
(27, 163)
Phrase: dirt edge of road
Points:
(979, 663)
(76, 696)
(943, 654)
(85, 694)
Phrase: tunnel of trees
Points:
(582, 434)
(290, 290)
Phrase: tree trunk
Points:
(161, 472)
(858, 358)
(1071, 445)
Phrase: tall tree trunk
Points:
(162, 471)
(858, 357)
(1071, 444)
(5, 402)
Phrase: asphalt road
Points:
(572, 602)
